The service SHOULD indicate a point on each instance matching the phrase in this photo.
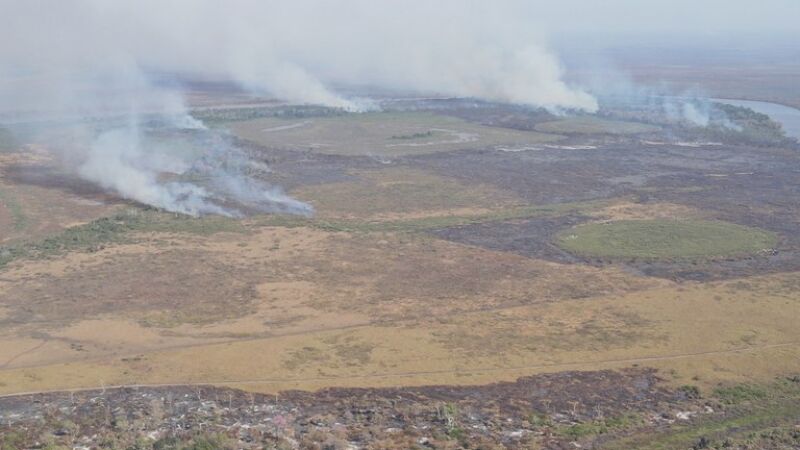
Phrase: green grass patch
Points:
(750, 411)
(594, 125)
(107, 230)
(740, 393)
(384, 134)
(715, 430)
(15, 208)
(118, 228)
(397, 191)
(429, 223)
(419, 135)
(597, 427)
(664, 239)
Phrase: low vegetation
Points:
(427, 223)
(223, 116)
(665, 239)
(420, 135)
(745, 416)
(14, 207)
(381, 134)
(741, 125)
(594, 125)
(95, 235)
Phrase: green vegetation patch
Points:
(599, 426)
(392, 191)
(594, 125)
(753, 416)
(741, 393)
(16, 210)
(664, 239)
(107, 230)
(429, 223)
(381, 134)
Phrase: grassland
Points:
(373, 320)
(765, 420)
(665, 239)
(367, 299)
(378, 134)
(374, 290)
(594, 125)
(399, 193)
(18, 217)
(96, 234)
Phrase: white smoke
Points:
(94, 61)
(297, 50)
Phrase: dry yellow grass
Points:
(401, 193)
(295, 280)
(314, 308)
(703, 334)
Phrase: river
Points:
(787, 116)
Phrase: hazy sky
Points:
(296, 50)
(648, 17)
(73, 58)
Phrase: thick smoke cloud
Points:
(297, 50)
(97, 59)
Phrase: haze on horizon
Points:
(297, 50)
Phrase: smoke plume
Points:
(94, 61)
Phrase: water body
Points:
(785, 115)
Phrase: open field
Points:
(382, 135)
(660, 239)
(402, 193)
(450, 264)
(728, 331)
(594, 125)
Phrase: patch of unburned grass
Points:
(381, 194)
(776, 407)
(594, 125)
(597, 427)
(117, 228)
(429, 223)
(382, 134)
(15, 208)
(741, 393)
(665, 239)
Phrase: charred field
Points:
(429, 301)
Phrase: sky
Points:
(505, 50)
(672, 17)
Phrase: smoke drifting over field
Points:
(297, 50)
(95, 58)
